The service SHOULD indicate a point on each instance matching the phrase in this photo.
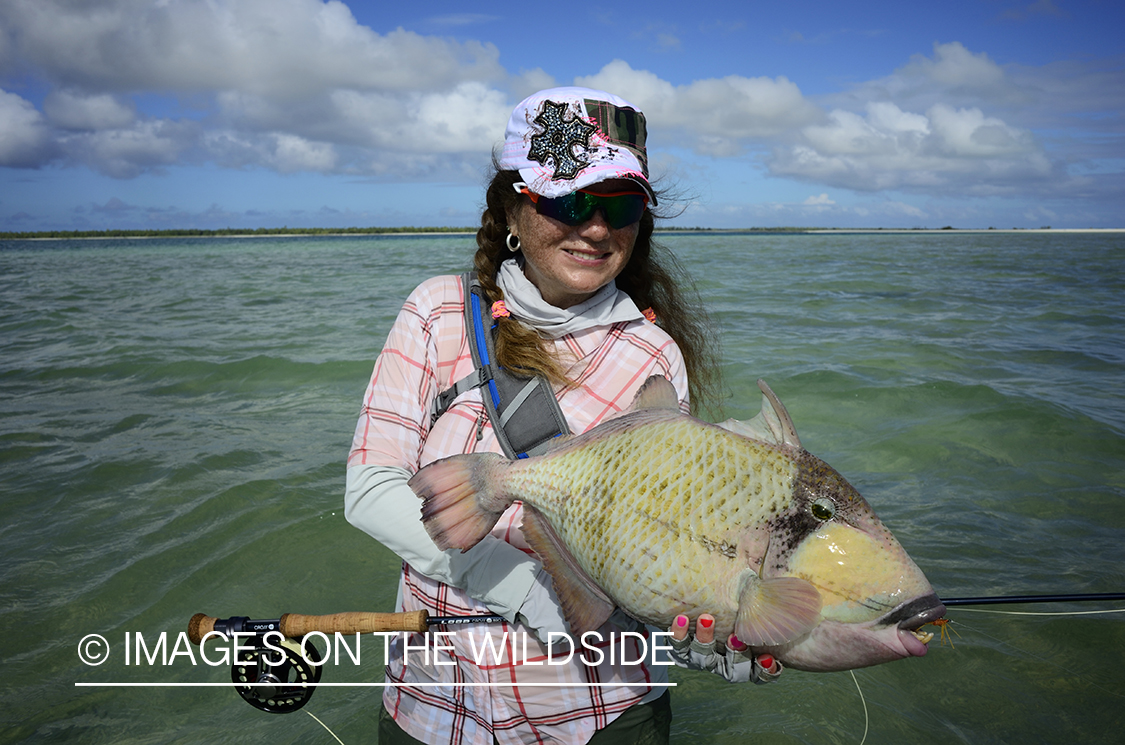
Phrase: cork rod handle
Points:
(294, 625)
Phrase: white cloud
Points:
(24, 137)
(300, 85)
(717, 115)
(292, 153)
(969, 133)
(128, 152)
(530, 81)
(276, 48)
(72, 110)
(819, 200)
(870, 143)
(291, 85)
(959, 151)
(954, 66)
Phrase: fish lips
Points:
(911, 616)
(833, 646)
(914, 613)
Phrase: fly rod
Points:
(998, 600)
(294, 625)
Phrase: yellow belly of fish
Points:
(655, 515)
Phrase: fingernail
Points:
(706, 622)
(681, 621)
(734, 643)
(766, 661)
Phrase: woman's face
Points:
(569, 263)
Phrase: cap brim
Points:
(533, 177)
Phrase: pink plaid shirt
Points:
(426, 352)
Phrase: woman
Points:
(567, 272)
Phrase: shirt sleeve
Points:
(415, 363)
(379, 502)
(394, 418)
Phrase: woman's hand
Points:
(736, 666)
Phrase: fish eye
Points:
(823, 509)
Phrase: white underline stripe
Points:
(381, 685)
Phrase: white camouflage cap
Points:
(565, 139)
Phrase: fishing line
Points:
(1046, 661)
(863, 701)
(322, 724)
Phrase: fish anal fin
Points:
(656, 393)
(776, 611)
(773, 424)
(584, 604)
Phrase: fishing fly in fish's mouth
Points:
(923, 636)
(911, 617)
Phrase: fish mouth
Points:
(910, 617)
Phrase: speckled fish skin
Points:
(668, 515)
(651, 506)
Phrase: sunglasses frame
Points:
(598, 203)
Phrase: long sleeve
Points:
(378, 502)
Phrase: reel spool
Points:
(278, 688)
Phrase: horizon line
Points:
(144, 233)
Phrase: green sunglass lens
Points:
(578, 207)
(623, 210)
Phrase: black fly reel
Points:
(278, 682)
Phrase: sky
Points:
(168, 114)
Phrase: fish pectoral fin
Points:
(585, 605)
(775, 611)
(772, 424)
(656, 393)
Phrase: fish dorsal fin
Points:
(656, 393)
(775, 611)
(772, 425)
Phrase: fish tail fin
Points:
(461, 499)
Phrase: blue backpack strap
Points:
(524, 412)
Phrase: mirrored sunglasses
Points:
(620, 208)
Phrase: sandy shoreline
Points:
(884, 231)
(968, 230)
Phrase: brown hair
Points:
(652, 278)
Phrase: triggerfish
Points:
(659, 513)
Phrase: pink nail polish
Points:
(681, 621)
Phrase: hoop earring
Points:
(508, 242)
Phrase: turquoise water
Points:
(174, 415)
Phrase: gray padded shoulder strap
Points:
(524, 412)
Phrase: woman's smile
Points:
(569, 263)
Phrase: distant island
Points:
(201, 233)
(223, 232)
(287, 231)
